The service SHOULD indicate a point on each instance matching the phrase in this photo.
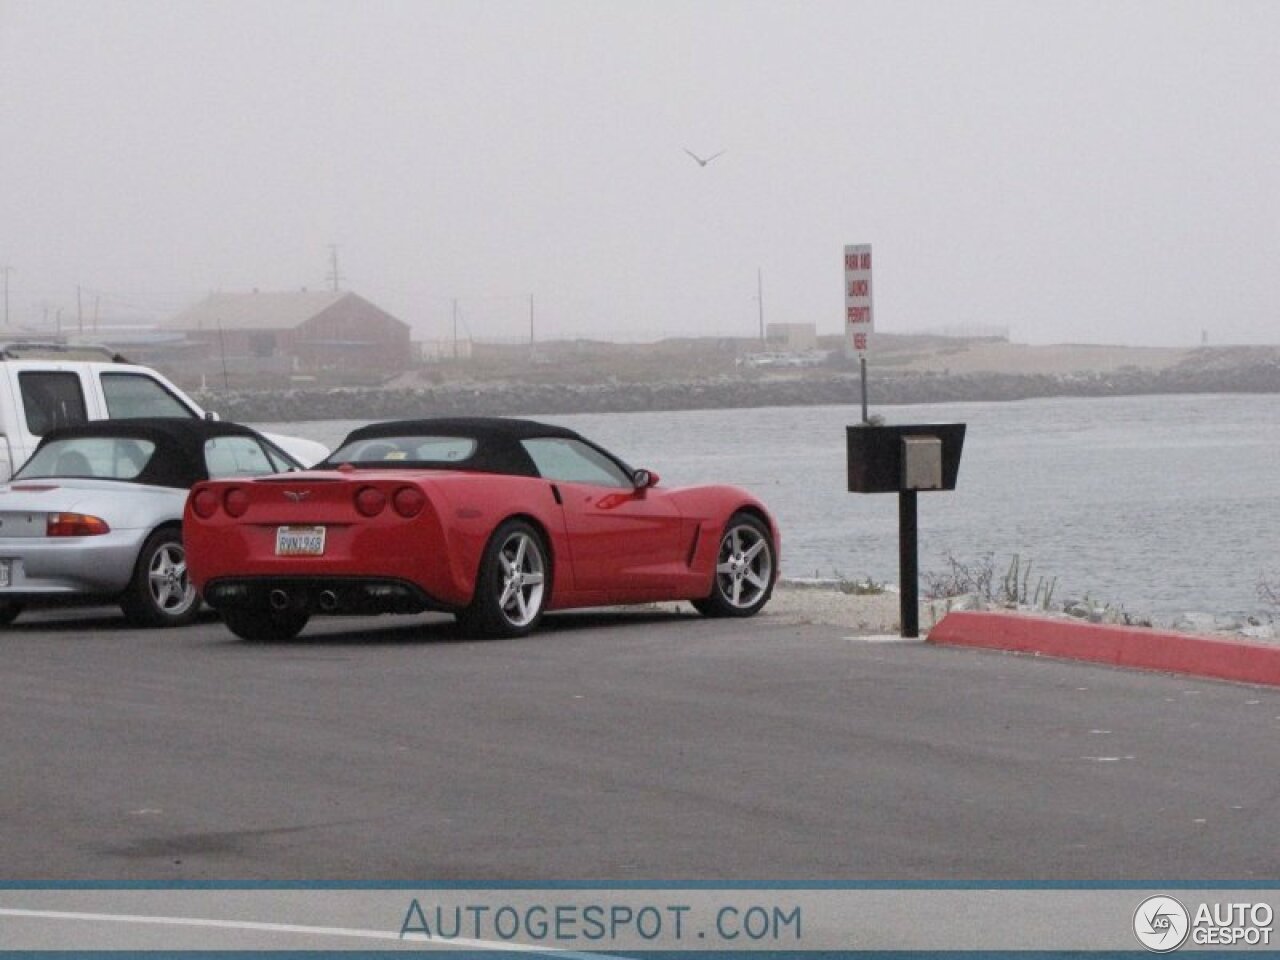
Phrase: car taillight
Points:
(205, 503)
(408, 501)
(370, 501)
(74, 525)
(235, 501)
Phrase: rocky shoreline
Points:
(877, 612)
(1246, 370)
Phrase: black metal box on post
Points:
(904, 460)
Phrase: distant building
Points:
(968, 331)
(791, 337)
(433, 351)
(304, 332)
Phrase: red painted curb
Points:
(1139, 647)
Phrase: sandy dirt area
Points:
(1021, 359)
(861, 614)
(872, 613)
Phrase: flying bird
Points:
(701, 161)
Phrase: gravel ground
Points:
(877, 613)
(871, 614)
(866, 613)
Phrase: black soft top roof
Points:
(178, 460)
(498, 448)
(500, 428)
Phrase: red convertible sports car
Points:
(491, 519)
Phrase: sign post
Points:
(905, 459)
(901, 459)
(859, 319)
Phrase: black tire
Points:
(160, 593)
(746, 569)
(265, 626)
(9, 611)
(513, 585)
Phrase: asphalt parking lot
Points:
(632, 746)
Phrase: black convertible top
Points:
(500, 428)
(178, 460)
(498, 448)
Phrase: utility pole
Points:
(760, 299)
(222, 348)
(334, 276)
(79, 311)
(6, 271)
(455, 328)
(531, 319)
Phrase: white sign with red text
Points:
(858, 317)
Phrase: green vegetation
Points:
(1269, 591)
(978, 577)
(1015, 592)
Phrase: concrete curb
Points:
(1137, 647)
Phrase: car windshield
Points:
(109, 458)
(404, 450)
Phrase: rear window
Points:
(109, 458)
(397, 451)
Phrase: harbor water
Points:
(1159, 504)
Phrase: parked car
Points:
(96, 513)
(494, 520)
(47, 385)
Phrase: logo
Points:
(1161, 924)
(297, 495)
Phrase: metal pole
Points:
(760, 299)
(222, 347)
(908, 564)
(862, 365)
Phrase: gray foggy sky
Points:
(1076, 171)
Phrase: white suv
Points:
(46, 385)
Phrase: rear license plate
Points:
(5, 577)
(299, 541)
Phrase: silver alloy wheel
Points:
(744, 568)
(523, 578)
(171, 590)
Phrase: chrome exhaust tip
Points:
(328, 600)
(278, 599)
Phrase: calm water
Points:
(1161, 504)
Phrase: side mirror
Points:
(643, 479)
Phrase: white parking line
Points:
(452, 942)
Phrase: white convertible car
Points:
(96, 513)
